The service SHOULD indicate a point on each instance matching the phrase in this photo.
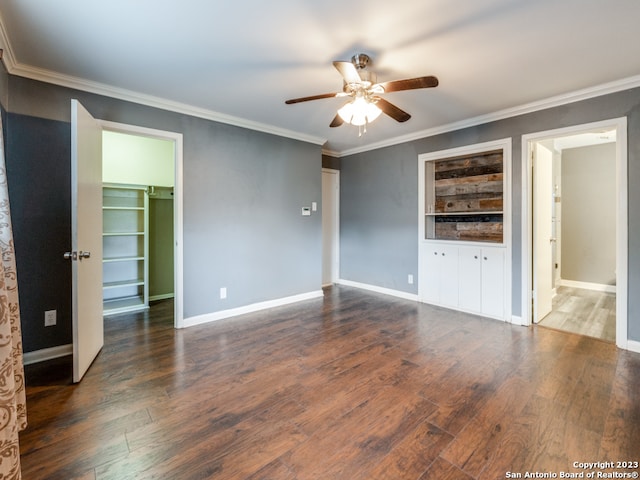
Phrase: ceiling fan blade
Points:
(410, 84)
(348, 71)
(336, 122)
(393, 111)
(312, 97)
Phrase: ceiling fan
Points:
(366, 104)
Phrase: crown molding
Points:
(571, 97)
(47, 76)
(8, 58)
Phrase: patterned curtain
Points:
(13, 409)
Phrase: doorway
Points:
(163, 200)
(575, 230)
(330, 226)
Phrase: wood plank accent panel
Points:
(476, 228)
(355, 385)
(469, 184)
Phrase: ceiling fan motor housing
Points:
(361, 61)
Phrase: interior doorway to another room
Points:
(141, 221)
(330, 226)
(578, 230)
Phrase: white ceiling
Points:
(238, 61)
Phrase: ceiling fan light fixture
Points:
(359, 112)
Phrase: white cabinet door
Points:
(470, 273)
(469, 278)
(448, 276)
(493, 282)
(440, 275)
(430, 275)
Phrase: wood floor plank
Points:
(621, 436)
(355, 385)
(443, 470)
(350, 443)
(411, 457)
(477, 443)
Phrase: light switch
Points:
(314, 206)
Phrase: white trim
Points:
(633, 346)
(178, 288)
(254, 307)
(516, 320)
(164, 296)
(48, 76)
(597, 287)
(375, 288)
(44, 354)
(118, 311)
(505, 144)
(15, 68)
(622, 279)
(551, 102)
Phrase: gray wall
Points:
(38, 162)
(588, 214)
(243, 191)
(379, 196)
(379, 218)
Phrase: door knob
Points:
(76, 255)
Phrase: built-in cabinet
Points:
(125, 248)
(464, 228)
(469, 278)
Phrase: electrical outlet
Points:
(50, 318)
(410, 279)
(223, 293)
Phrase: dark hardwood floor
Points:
(354, 386)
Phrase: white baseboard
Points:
(374, 288)
(598, 287)
(516, 320)
(254, 307)
(633, 346)
(164, 296)
(47, 354)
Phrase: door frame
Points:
(622, 239)
(335, 220)
(178, 252)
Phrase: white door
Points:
(542, 233)
(330, 226)
(86, 238)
